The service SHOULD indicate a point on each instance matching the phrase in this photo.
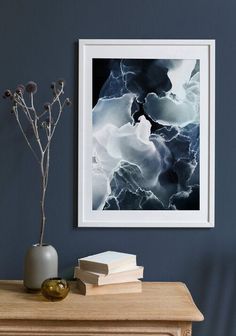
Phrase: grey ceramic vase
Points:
(41, 262)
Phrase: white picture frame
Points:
(203, 50)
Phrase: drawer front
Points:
(92, 328)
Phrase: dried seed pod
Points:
(7, 94)
(61, 81)
(53, 85)
(44, 124)
(31, 87)
(68, 101)
(46, 106)
(20, 89)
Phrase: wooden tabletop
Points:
(158, 302)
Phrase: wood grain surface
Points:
(158, 301)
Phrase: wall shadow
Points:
(216, 299)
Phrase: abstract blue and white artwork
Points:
(146, 133)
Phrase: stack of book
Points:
(108, 273)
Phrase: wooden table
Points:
(162, 309)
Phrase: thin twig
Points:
(55, 124)
(24, 135)
(23, 105)
(48, 137)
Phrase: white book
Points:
(130, 275)
(108, 262)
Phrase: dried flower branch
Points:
(47, 121)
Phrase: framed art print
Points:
(146, 133)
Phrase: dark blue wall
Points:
(38, 42)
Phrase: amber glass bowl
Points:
(55, 289)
